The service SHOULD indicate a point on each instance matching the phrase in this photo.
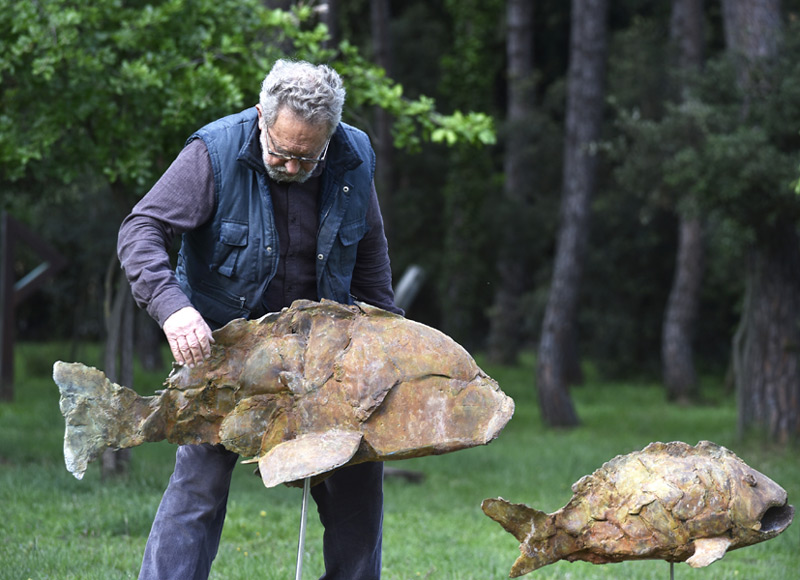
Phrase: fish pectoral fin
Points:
(308, 455)
(708, 550)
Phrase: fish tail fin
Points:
(98, 414)
(532, 528)
(518, 519)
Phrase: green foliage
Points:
(114, 88)
(97, 98)
(629, 263)
(470, 67)
(55, 526)
(106, 92)
(638, 72)
(705, 155)
(111, 88)
(415, 120)
(699, 153)
(724, 157)
(471, 192)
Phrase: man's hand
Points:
(189, 336)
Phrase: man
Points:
(273, 204)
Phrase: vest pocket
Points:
(217, 305)
(352, 233)
(343, 254)
(232, 241)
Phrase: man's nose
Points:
(292, 166)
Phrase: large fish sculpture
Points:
(670, 501)
(302, 392)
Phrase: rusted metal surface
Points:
(670, 501)
(302, 392)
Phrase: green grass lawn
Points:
(56, 527)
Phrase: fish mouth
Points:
(776, 519)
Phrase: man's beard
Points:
(278, 172)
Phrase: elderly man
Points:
(273, 204)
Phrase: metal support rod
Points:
(672, 571)
(302, 540)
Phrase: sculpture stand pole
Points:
(672, 571)
(302, 540)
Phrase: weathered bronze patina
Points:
(303, 392)
(670, 501)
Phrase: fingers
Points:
(188, 350)
(189, 337)
(205, 343)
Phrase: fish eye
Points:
(750, 480)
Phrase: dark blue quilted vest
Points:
(225, 265)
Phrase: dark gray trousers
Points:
(185, 534)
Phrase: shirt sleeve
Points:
(181, 200)
(372, 275)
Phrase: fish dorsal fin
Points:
(232, 333)
(308, 455)
(708, 550)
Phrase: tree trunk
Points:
(677, 357)
(384, 143)
(118, 356)
(679, 319)
(329, 16)
(149, 340)
(278, 4)
(585, 93)
(752, 29)
(505, 337)
(767, 348)
(687, 35)
(768, 360)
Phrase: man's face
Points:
(288, 139)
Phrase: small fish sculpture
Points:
(670, 501)
(303, 392)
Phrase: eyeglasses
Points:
(299, 159)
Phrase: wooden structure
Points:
(13, 291)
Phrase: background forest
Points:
(622, 193)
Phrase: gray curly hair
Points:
(314, 93)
